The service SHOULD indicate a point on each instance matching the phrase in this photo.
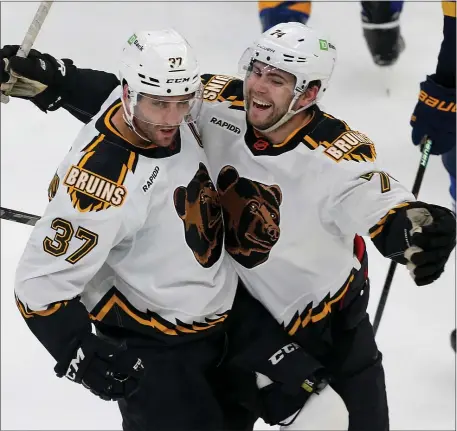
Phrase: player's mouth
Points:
(260, 104)
(168, 132)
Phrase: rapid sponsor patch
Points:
(225, 125)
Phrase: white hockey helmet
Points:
(159, 63)
(298, 49)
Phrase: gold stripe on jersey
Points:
(379, 226)
(27, 313)
(311, 142)
(109, 126)
(292, 134)
(325, 305)
(448, 8)
(115, 307)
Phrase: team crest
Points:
(96, 182)
(251, 217)
(198, 207)
(351, 145)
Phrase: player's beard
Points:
(264, 118)
(158, 135)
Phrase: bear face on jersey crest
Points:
(251, 217)
(199, 208)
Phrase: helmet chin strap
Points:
(288, 115)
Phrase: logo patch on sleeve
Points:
(351, 145)
(97, 181)
(95, 186)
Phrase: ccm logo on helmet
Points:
(177, 80)
(225, 125)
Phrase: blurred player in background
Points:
(380, 23)
(434, 113)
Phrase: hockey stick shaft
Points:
(426, 146)
(28, 42)
(18, 216)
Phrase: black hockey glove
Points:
(108, 371)
(433, 239)
(420, 236)
(39, 76)
(281, 406)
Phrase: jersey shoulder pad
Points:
(222, 88)
(340, 142)
(94, 179)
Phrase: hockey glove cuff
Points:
(434, 116)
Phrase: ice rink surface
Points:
(414, 332)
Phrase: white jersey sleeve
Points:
(67, 246)
(363, 195)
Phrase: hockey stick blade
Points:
(18, 216)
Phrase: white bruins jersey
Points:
(136, 233)
(292, 210)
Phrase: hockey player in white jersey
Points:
(132, 241)
(297, 188)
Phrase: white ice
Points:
(414, 332)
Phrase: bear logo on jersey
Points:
(199, 208)
(251, 217)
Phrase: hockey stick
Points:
(18, 216)
(426, 145)
(27, 43)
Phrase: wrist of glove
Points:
(434, 116)
(108, 371)
(280, 405)
(39, 76)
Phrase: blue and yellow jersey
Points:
(275, 12)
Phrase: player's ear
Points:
(125, 95)
(309, 95)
